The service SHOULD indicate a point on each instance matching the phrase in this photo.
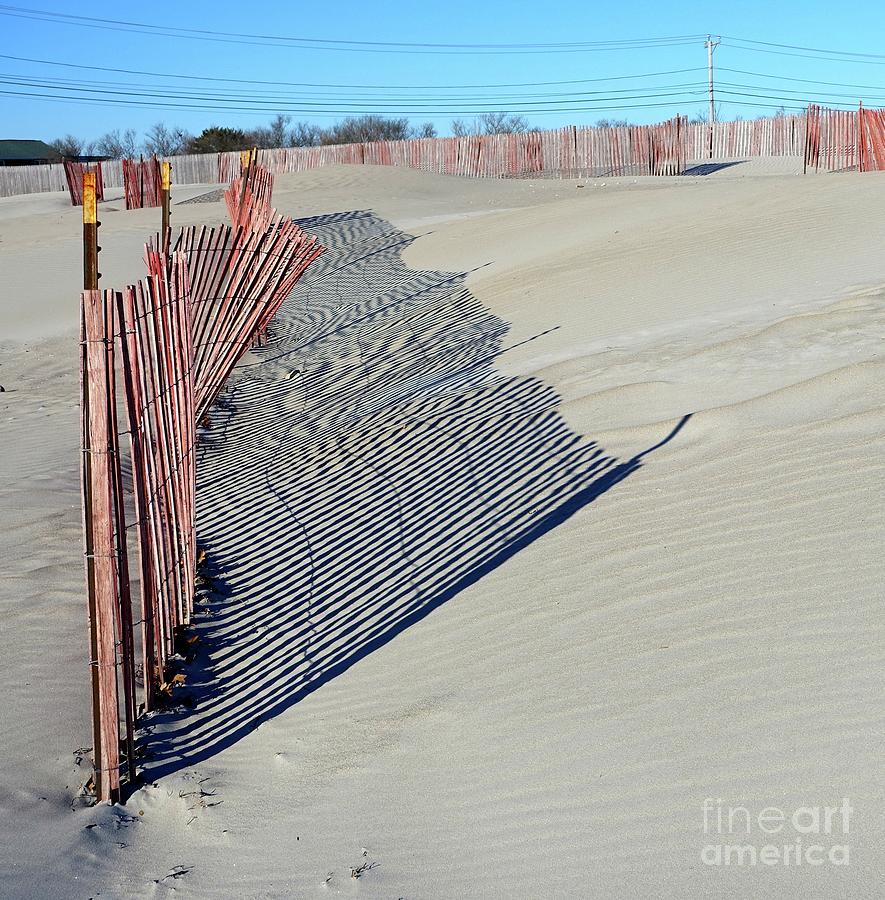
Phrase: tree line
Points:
(163, 140)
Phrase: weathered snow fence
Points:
(158, 388)
(74, 174)
(587, 151)
(142, 183)
(164, 347)
(624, 150)
(98, 482)
(839, 140)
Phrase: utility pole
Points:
(711, 45)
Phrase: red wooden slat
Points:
(74, 177)
(142, 183)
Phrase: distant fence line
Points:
(625, 150)
(194, 168)
(781, 136)
(830, 136)
(845, 139)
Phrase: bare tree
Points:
(361, 129)
(259, 137)
(501, 123)
(274, 135)
(279, 130)
(304, 134)
(163, 141)
(460, 128)
(426, 130)
(611, 123)
(490, 123)
(69, 145)
(117, 145)
(702, 116)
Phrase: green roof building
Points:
(27, 153)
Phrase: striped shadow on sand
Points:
(362, 468)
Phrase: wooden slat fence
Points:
(832, 140)
(838, 140)
(98, 461)
(627, 150)
(248, 198)
(74, 179)
(873, 143)
(141, 183)
(560, 151)
(164, 347)
(37, 179)
(251, 271)
(778, 136)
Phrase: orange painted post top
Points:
(90, 233)
(165, 199)
(90, 214)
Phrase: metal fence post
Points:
(165, 198)
(90, 233)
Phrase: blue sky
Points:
(325, 81)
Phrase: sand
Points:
(478, 629)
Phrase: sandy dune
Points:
(492, 613)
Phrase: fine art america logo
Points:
(771, 836)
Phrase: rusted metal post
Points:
(90, 234)
(165, 198)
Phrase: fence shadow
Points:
(712, 167)
(365, 467)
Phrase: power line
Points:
(304, 108)
(873, 87)
(817, 100)
(356, 99)
(338, 44)
(276, 83)
(777, 106)
(147, 90)
(866, 62)
(417, 87)
(239, 111)
(803, 94)
(808, 49)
